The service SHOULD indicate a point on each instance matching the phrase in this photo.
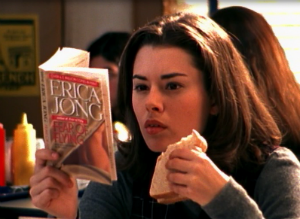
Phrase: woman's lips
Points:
(153, 127)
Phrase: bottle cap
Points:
(24, 123)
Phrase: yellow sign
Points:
(19, 55)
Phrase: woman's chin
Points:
(157, 144)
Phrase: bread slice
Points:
(160, 188)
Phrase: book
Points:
(76, 115)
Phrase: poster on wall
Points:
(19, 55)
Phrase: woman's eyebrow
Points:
(139, 77)
(172, 75)
(165, 76)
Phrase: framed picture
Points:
(18, 55)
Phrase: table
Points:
(19, 207)
(22, 206)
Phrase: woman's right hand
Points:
(51, 189)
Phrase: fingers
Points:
(180, 178)
(42, 156)
(47, 180)
(185, 167)
(186, 153)
(47, 185)
(49, 172)
(43, 199)
(180, 189)
(51, 189)
(194, 175)
(178, 165)
(185, 160)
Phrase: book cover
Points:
(76, 115)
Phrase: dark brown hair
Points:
(109, 45)
(243, 131)
(267, 63)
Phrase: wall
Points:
(73, 23)
(86, 20)
(49, 12)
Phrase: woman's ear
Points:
(214, 110)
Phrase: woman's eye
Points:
(140, 87)
(172, 86)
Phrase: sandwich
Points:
(160, 187)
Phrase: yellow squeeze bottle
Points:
(23, 152)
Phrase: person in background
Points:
(105, 52)
(178, 73)
(265, 58)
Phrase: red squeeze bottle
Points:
(2, 155)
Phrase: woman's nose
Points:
(154, 101)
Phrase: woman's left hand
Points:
(194, 175)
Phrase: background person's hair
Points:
(243, 130)
(269, 67)
(110, 45)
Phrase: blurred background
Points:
(32, 30)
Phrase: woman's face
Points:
(168, 97)
(113, 73)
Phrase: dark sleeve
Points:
(106, 201)
(276, 194)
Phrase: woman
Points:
(267, 63)
(178, 73)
